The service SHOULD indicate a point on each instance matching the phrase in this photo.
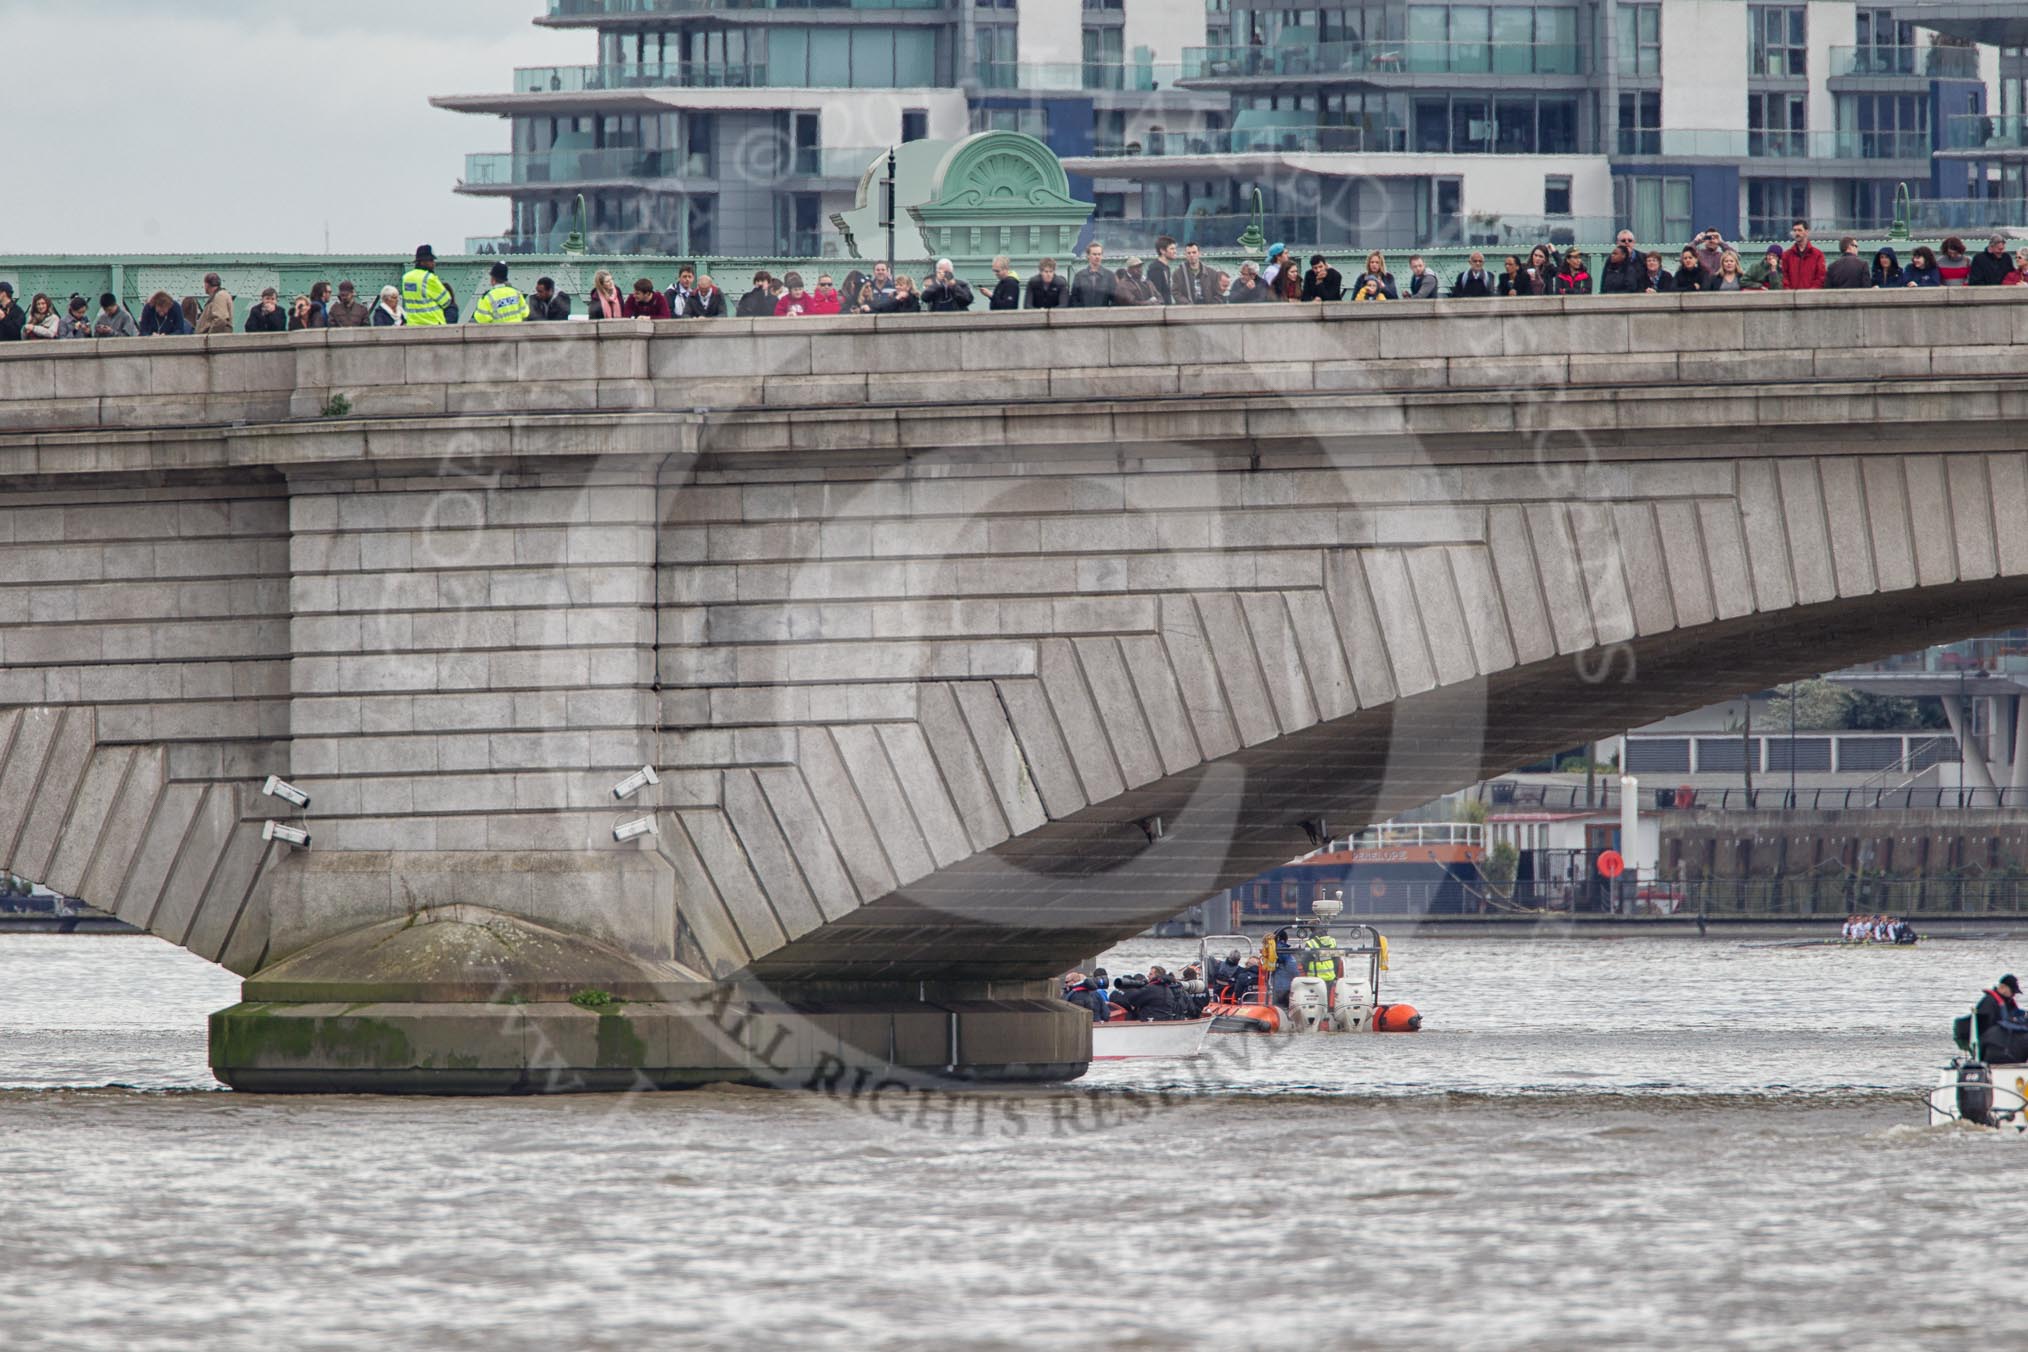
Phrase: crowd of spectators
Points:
(1706, 264)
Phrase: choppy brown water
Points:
(1597, 1144)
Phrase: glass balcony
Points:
(1915, 63)
(1240, 141)
(1986, 131)
(835, 162)
(665, 75)
(580, 166)
(1775, 145)
(602, 9)
(629, 243)
(1304, 232)
(1078, 76)
(1307, 60)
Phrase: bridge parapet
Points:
(858, 367)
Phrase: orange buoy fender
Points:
(1396, 1019)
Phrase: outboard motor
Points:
(1309, 1003)
(1975, 1094)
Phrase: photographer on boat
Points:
(1083, 992)
(1158, 997)
(2000, 1027)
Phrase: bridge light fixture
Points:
(635, 782)
(277, 787)
(639, 826)
(288, 835)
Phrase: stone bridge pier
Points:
(960, 646)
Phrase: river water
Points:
(1593, 1144)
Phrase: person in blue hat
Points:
(1277, 253)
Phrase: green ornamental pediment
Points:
(1000, 192)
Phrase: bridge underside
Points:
(1074, 887)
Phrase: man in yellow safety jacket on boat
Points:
(1320, 957)
(424, 297)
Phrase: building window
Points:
(1655, 208)
(1501, 39)
(1773, 204)
(1777, 125)
(1883, 126)
(1886, 44)
(1777, 38)
(1640, 124)
(1556, 195)
(1103, 58)
(703, 222)
(1033, 121)
(1640, 38)
(914, 124)
(999, 55)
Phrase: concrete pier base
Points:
(470, 1001)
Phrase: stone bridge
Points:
(961, 645)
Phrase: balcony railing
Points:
(1774, 145)
(1303, 231)
(600, 9)
(665, 75)
(623, 243)
(1915, 63)
(1254, 140)
(1084, 76)
(1383, 58)
(1986, 131)
(834, 161)
(580, 166)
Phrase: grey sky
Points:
(254, 124)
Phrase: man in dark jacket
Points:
(1079, 990)
(946, 292)
(1093, 286)
(2002, 1027)
(1322, 281)
(706, 302)
(1161, 271)
(1006, 290)
(548, 305)
(162, 317)
(11, 318)
(1191, 283)
(268, 316)
(1248, 288)
(1624, 274)
(1154, 1001)
(348, 311)
(679, 294)
(1849, 272)
(1046, 290)
(1991, 267)
(758, 302)
(1474, 280)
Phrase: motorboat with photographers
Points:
(1988, 1086)
(1312, 975)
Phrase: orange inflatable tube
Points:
(1231, 1018)
(1396, 1019)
